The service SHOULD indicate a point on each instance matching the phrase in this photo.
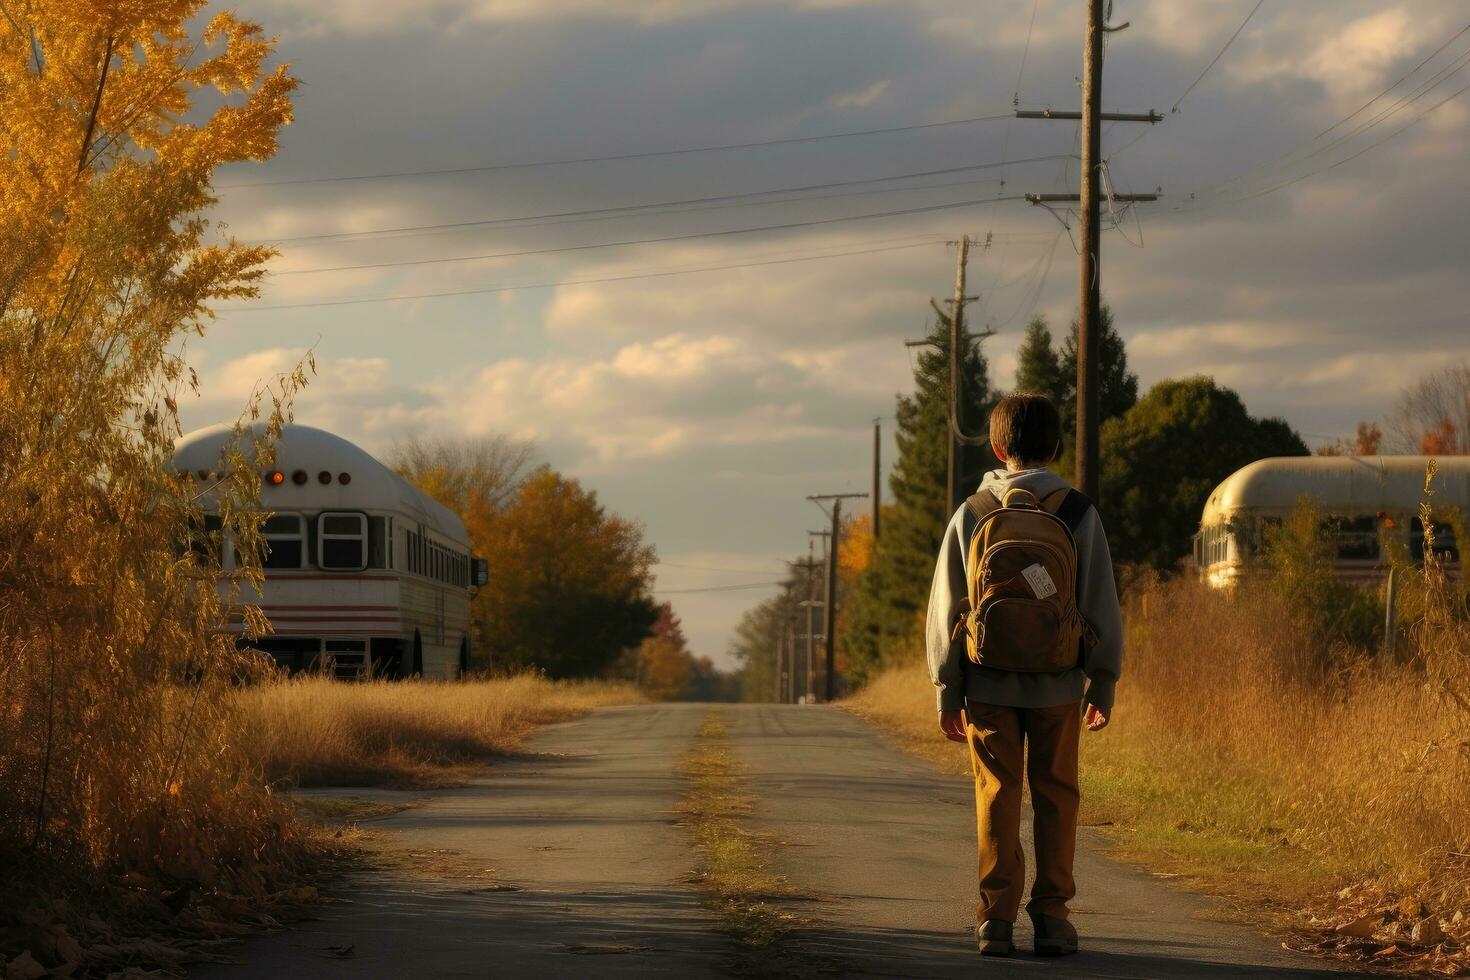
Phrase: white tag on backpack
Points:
(1040, 581)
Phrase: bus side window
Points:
(378, 543)
(285, 540)
(343, 541)
(1357, 538)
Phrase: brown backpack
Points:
(1021, 577)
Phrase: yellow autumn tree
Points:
(116, 733)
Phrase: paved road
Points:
(892, 842)
(581, 823)
(565, 860)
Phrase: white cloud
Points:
(862, 98)
(360, 397)
(1352, 50)
(1203, 339)
(646, 400)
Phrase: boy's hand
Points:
(1095, 720)
(952, 724)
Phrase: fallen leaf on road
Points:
(343, 952)
(1363, 927)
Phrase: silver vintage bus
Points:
(1366, 498)
(365, 574)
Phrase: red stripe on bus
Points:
(333, 619)
(333, 632)
(297, 607)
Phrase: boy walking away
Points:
(1023, 629)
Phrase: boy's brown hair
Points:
(1026, 428)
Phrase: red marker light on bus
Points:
(275, 478)
(324, 477)
(344, 478)
(298, 477)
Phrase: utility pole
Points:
(811, 604)
(1090, 292)
(779, 674)
(956, 331)
(831, 607)
(958, 438)
(1089, 323)
(877, 491)
(790, 667)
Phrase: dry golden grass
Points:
(318, 732)
(1339, 796)
(735, 864)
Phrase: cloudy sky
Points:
(705, 382)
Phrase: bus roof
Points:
(373, 486)
(1339, 484)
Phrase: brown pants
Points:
(997, 737)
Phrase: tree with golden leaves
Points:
(116, 739)
(569, 582)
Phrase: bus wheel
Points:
(418, 655)
(464, 659)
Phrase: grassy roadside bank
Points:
(1337, 809)
(319, 732)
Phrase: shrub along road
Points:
(569, 858)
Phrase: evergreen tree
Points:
(890, 597)
(1117, 386)
(1038, 368)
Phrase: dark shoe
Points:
(1054, 937)
(994, 938)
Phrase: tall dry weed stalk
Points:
(117, 725)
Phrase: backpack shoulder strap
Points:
(982, 502)
(1070, 505)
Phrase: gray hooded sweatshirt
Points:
(958, 680)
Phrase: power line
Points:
(637, 208)
(609, 158)
(1219, 55)
(569, 282)
(1397, 82)
(706, 568)
(1403, 102)
(720, 588)
(1331, 166)
(1293, 155)
(785, 226)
